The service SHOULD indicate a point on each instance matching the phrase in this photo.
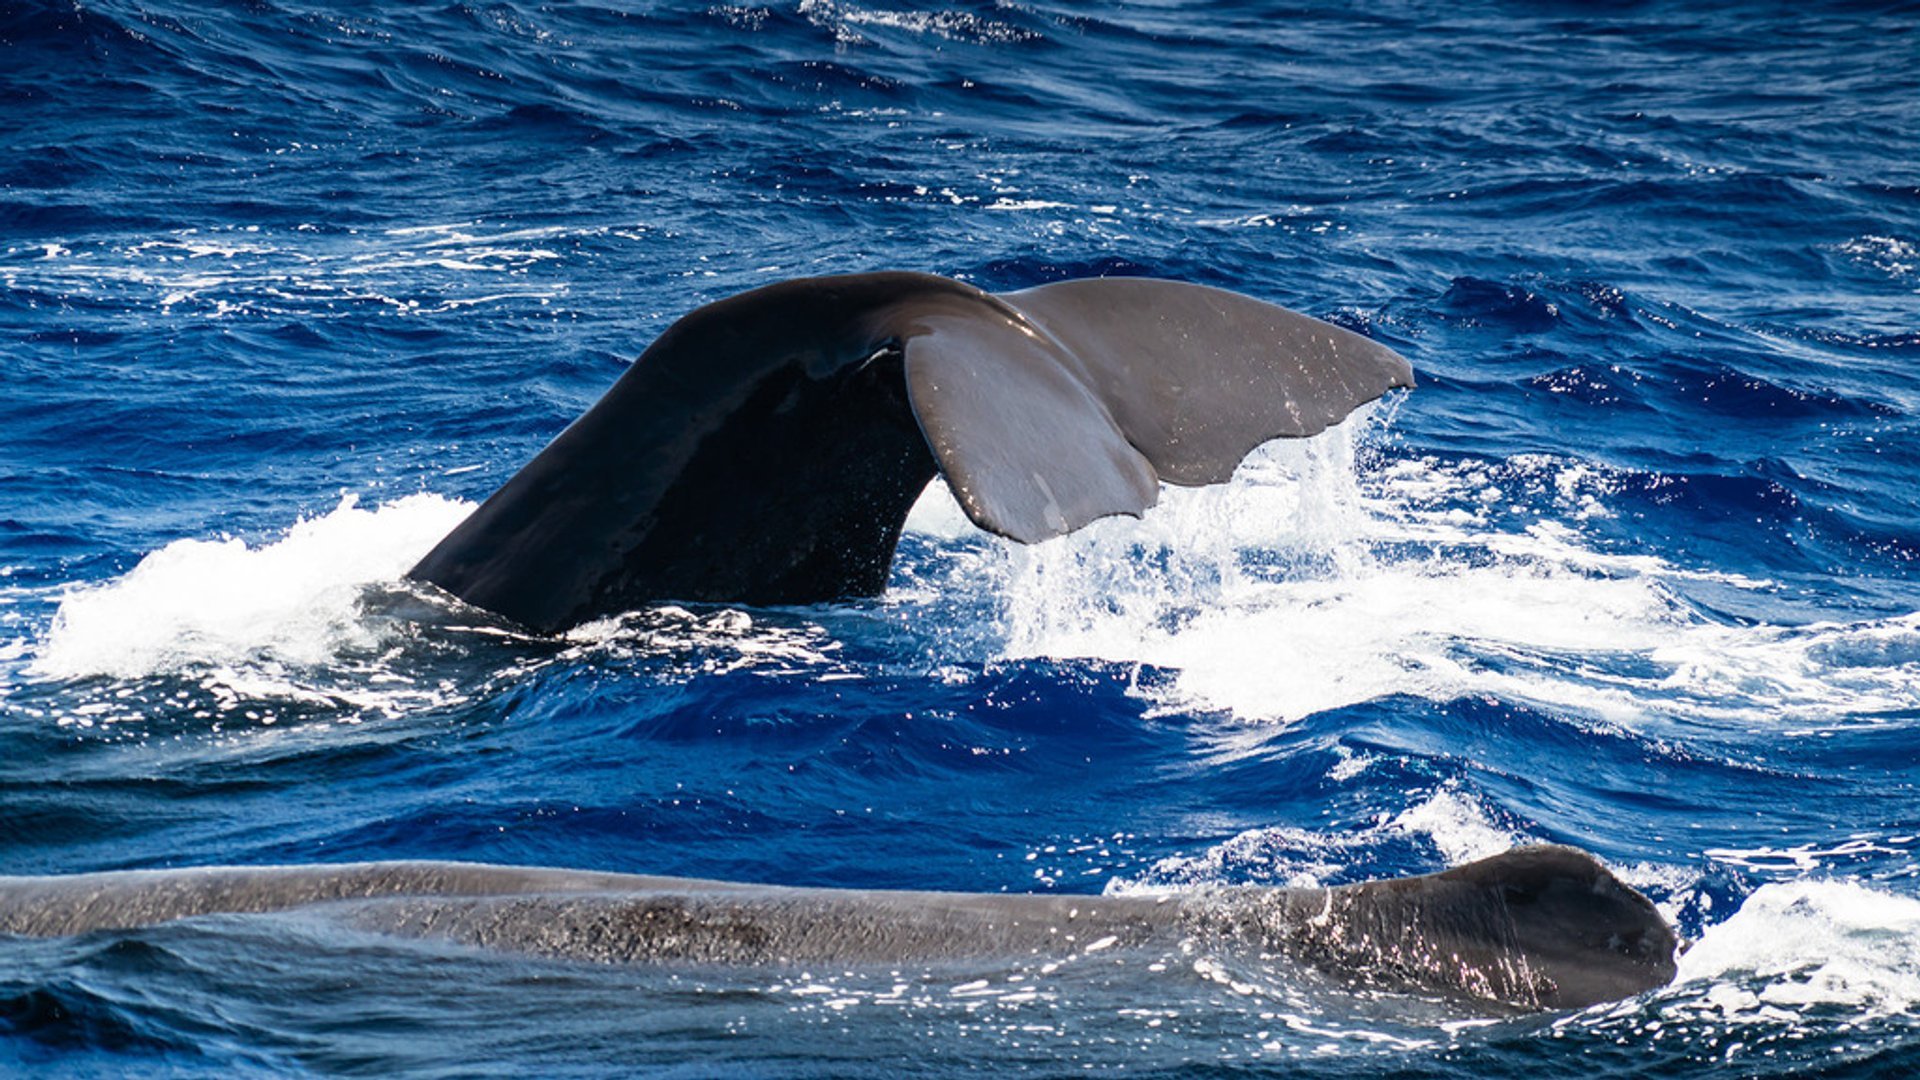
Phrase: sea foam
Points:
(206, 603)
(1804, 952)
(1323, 577)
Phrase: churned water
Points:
(286, 287)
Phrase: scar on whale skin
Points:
(1535, 928)
(767, 448)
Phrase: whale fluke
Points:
(1535, 928)
(1089, 393)
(767, 447)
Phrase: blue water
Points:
(284, 288)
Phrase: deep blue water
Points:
(284, 287)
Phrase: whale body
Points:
(1536, 928)
(767, 448)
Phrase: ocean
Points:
(287, 287)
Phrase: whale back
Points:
(1543, 927)
(1584, 935)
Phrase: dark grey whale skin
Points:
(1535, 928)
(767, 447)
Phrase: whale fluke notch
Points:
(767, 447)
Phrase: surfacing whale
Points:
(767, 447)
(1535, 928)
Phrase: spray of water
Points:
(1324, 576)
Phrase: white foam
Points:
(1806, 857)
(221, 272)
(1312, 582)
(196, 604)
(1450, 822)
(716, 643)
(1797, 948)
(841, 18)
(937, 513)
(1898, 258)
(1456, 824)
(257, 629)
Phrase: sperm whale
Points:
(1541, 927)
(767, 447)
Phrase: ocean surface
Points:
(286, 287)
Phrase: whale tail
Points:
(767, 447)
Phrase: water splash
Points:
(1323, 577)
(1448, 822)
(320, 619)
(1813, 971)
(1798, 949)
(197, 603)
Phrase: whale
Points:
(1536, 928)
(767, 447)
